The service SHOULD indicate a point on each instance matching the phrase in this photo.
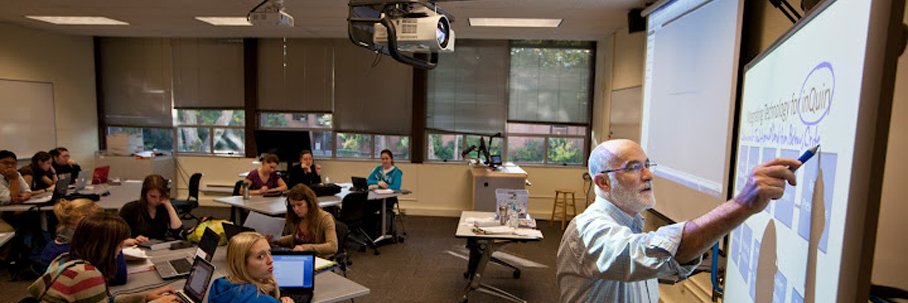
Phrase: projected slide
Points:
(688, 91)
(803, 93)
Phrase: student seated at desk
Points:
(13, 188)
(64, 165)
(82, 275)
(69, 214)
(152, 216)
(40, 174)
(265, 179)
(249, 273)
(385, 175)
(307, 172)
(308, 227)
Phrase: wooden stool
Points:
(564, 204)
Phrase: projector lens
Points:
(441, 31)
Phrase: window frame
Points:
(178, 125)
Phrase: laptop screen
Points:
(359, 183)
(293, 270)
(208, 244)
(199, 277)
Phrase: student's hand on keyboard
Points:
(286, 300)
(163, 294)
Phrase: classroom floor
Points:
(427, 267)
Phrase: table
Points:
(481, 249)
(119, 195)
(275, 206)
(329, 287)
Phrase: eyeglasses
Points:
(635, 168)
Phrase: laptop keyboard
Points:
(181, 265)
(299, 298)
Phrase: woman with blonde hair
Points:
(308, 227)
(152, 216)
(83, 274)
(250, 275)
(69, 213)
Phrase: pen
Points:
(806, 156)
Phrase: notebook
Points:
(294, 272)
(182, 266)
(197, 284)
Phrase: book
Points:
(323, 265)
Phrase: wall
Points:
(68, 62)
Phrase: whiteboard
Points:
(28, 123)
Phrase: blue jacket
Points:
(223, 291)
(52, 250)
(392, 177)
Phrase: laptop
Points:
(294, 272)
(197, 284)
(50, 198)
(233, 230)
(100, 174)
(182, 266)
(359, 184)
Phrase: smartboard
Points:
(27, 124)
(821, 84)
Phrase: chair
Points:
(184, 207)
(564, 204)
(237, 187)
(341, 256)
(353, 214)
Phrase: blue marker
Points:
(806, 156)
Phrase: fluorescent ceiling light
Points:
(225, 21)
(515, 22)
(73, 20)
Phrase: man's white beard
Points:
(632, 198)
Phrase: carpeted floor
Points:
(427, 267)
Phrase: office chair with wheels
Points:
(341, 256)
(353, 214)
(184, 207)
(237, 187)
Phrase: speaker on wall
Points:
(635, 22)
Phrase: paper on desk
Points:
(385, 191)
(322, 265)
(265, 225)
(139, 266)
(134, 253)
(526, 232)
(40, 198)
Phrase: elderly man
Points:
(606, 257)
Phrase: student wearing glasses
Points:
(604, 254)
(13, 188)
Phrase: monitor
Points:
(293, 268)
(822, 83)
(286, 144)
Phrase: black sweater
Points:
(153, 228)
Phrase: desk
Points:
(329, 287)
(275, 206)
(481, 249)
(119, 195)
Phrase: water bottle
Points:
(246, 194)
(512, 216)
(503, 215)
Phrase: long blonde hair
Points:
(69, 212)
(237, 252)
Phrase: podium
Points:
(486, 181)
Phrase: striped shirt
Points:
(76, 281)
(606, 257)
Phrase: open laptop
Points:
(294, 272)
(359, 184)
(197, 284)
(100, 174)
(182, 266)
(233, 230)
(51, 197)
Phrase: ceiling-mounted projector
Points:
(421, 34)
(271, 15)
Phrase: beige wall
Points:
(68, 62)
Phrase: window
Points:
(398, 145)
(354, 145)
(319, 126)
(445, 147)
(157, 139)
(211, 131)
(546, 143)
